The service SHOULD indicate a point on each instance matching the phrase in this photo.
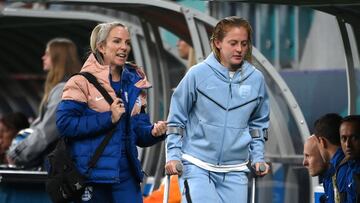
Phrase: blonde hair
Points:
(221, 29)
(99, 35)
(65, 62)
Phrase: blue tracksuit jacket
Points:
(217, 114)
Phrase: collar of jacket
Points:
(223, 72)
(138, 77)
(92, 66)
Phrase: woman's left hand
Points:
(261, 169)
(159, 128)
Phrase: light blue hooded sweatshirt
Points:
(217, 113)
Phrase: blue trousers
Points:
(128, 190)
(198, 185)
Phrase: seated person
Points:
(313, 161)
(327, 133)
(350, 143)
(10, 125)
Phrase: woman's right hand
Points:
(170, 167)
(117, 109)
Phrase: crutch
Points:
(262, 168)
(179, 168)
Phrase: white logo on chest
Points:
(210, 87)
(98, 98)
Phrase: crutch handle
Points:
(262, 167)
(179, 168)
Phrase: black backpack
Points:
(65, 183)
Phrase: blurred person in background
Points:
(10, 125)
(350, 143)
(313, 160)
(186, 52)
(326, 130)
(60, 61)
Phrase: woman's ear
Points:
(217, 43)
(101, 48)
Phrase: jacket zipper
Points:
(225, 125)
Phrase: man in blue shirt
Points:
(313, 161)
(350, 143)
(327, 134)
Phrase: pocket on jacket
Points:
(205, 141)
(236, 145)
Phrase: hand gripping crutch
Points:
(179, 168)
(262, 168)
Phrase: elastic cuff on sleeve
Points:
(174, 154)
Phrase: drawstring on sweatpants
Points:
(224, 175)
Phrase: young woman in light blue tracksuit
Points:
(218, 119)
